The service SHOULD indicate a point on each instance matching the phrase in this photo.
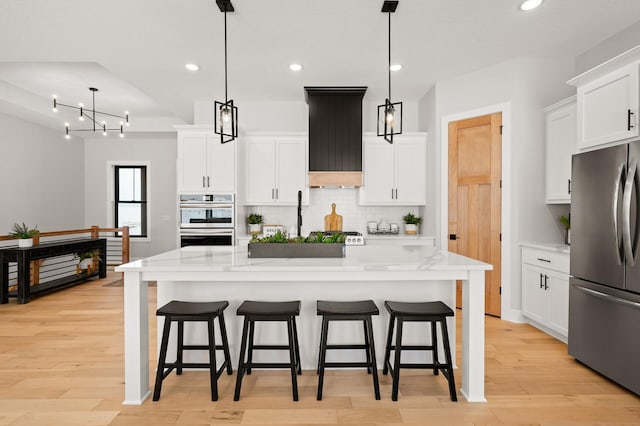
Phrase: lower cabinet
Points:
(545, 290)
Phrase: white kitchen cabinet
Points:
(276, 169)
(545, 290)
(561, 145)
(394, 174)
(607, 101)
(204, 164)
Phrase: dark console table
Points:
(24, 256)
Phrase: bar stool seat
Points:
(177, 311)
(347, 311)
(430, 312)
(268, 311)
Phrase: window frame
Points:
(114, 168)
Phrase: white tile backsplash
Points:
(354, 216)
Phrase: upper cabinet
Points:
(561, 145)
(275, 169)
(395, 174)
(608, 100)
(205, 164)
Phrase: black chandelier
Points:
(91, 114)
(389, 114)
(226, 114)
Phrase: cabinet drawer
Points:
(546, 259)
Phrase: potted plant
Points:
(24, 233)
(566, 221)
(411, 223)
(254, 220)
(87, 260)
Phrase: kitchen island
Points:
(404, 273)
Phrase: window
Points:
(131, 199)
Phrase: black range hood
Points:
(335, 135)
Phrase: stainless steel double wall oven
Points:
(207, 219)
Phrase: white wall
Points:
(160, 152)
(42, 177)
(613, 46)
(525, 86)
(427, 123)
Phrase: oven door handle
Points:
(206, 206)
(204, 232)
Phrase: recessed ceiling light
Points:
(395, 67)
(530, 4)
(295, 67)
(192, 67)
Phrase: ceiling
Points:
(134, 51)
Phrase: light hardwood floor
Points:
(61, 363)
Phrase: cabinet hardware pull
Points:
(568, 186)
(392, 193)
(396, 193)
(546, 280)
(203, 182)
(543, 260)
(629, 125)
(276, 193)
(272, 194)
(541, 285)
(208, 181)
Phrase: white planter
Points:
(255, 228)
(85, 263)
(410, 229)
(25, 242)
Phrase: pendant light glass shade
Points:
(225, 116)
(390, 113)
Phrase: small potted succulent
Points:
(24, 234)
(411, 223)
(254, 220)
(87, 260)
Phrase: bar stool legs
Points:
(347, 311)
(432, 313)
(180, 312)
(268, 311)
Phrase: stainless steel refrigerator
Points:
(604, 296)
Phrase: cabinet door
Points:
(410, 170)
(561, 145)
(378, 182)
(604, 106)
(532, 292)
(291, 170)
(557, 293)
(192, 163)
(261, 166)
(221, 167)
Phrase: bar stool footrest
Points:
(414, 347)
(346, 364)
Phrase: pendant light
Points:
(390, 113)
(225, 119)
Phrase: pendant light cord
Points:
(389, 69)
(225, 55)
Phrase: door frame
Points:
(506, 276)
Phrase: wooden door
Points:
(475, 197)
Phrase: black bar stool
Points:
(432, 312)
(269, 311)
(348, 311)
(192, 311)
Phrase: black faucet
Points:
(299, 213)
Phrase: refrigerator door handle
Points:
(608, 297)
(614, 211)
(626, 214)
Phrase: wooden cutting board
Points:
(333, 221)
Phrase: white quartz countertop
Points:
(368, 258)
(560, 248)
